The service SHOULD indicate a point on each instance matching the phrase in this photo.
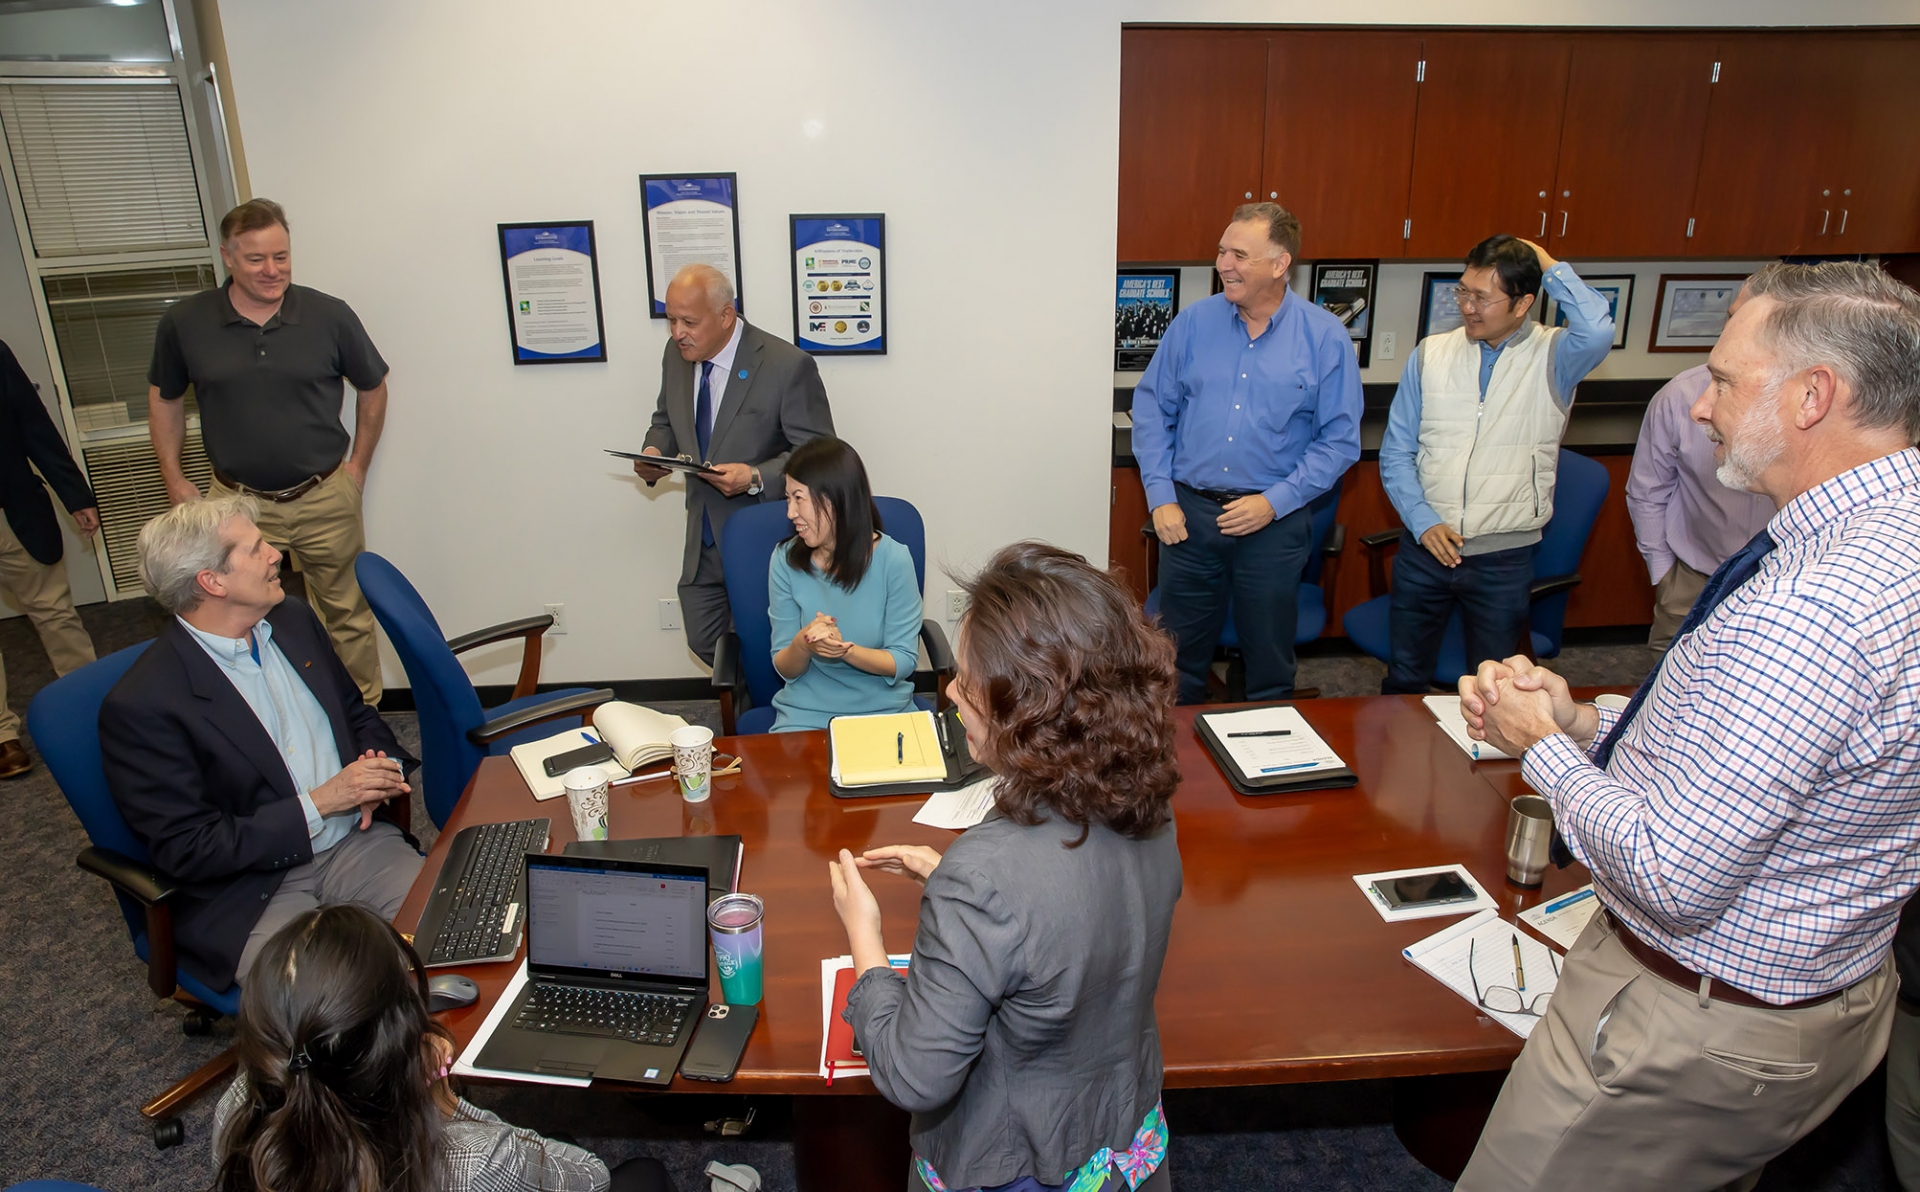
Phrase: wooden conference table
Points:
(1278, 969)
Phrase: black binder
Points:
(962, 769)
(718, 855)
(1268, 784)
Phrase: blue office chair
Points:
(63, 720)
(743, 673)
(1326, 539)
(455, 731)
(1579, 491)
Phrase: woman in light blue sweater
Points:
(843, 599)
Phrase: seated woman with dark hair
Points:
(1022, 1039)
(343, 1083)
(842, 597)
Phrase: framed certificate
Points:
(1617, 290)
(1144, 303)
(1344, 289)
(1439, 313)
(1691, 310)
(552, 275)
(839, 284)
(690, 220)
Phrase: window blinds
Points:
(103, 167)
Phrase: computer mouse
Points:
(450, 991)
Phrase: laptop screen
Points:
(617, 920)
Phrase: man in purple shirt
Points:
(1249, 410)
(1686, 522)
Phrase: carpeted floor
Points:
(83, 1042)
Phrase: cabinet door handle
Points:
(1543, 224)
(1563, 223)
(1826, 216)
(1843, 222)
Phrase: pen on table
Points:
(1272, 732)
(587, 737)
(899, 749)
(1519, 971)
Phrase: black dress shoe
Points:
(13, 759)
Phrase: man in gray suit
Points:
(740, 399)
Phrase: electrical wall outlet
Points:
(557, 611)
(956, 604)
(669, 614)
(1387, 345)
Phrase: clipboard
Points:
(673, 463)
(962, 768)
(1327, 778)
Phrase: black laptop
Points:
(616, 970)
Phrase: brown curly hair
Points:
(1077, 690)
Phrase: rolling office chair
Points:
(743, 673)
(1579, 491)
(63, 720)
(1325, 541)
(455, 731)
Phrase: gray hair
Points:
(186, 540)
(718, 289)
(1855, 319)
(1283, 230)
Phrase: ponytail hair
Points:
(333, 1041)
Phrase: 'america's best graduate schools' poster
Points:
(553, 292)
(839, 284)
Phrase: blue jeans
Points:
(1490, 590)
(1256, 575)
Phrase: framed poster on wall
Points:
(690, 219)
(1344, 289)
(1144, 303)
(839, 284)
(1617, 290)
(552, 274)
(1439, 309)
(1691, 310)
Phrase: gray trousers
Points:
(1160, 1181)
(1629, 1083)
(1903, 1097)
(704, 611)
(374, 868)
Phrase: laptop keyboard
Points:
(609, 1013)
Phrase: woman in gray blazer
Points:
(1022, 1038)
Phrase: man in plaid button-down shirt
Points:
(1753, 826)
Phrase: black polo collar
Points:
(289, 312)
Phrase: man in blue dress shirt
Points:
(1248, 412)
(1471, 453)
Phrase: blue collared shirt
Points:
(1588, 339)
(1277, 413)
(292, 716)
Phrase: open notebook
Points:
(637, 736)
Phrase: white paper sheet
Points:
(1488, 940)
(464, 1066)
(1562, 919)
(960, 809)
(1481, 901)
(1446, 710)
(1285, 744)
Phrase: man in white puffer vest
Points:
(1471, 449)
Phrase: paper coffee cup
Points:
(586, 790)
(693, 761)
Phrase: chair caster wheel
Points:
(197, 1023)
(169, 1132)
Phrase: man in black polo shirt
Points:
(266, 359)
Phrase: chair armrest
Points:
(143, 883)
(553, 709)
(1377, 544)
(529, 628)
(729, 681)
(1553, 585)
(939, 657)
(1336, 541)
(1377, 540)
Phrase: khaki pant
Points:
(43, 594)
(1673, 599)
(1628, 1082)
(324, 533)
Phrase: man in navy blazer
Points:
(240, 752)
(31, 568)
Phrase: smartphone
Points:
(1425, 889)
(715, 1051)
(586, 755)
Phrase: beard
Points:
(1757, 443)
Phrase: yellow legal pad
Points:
(901, 747)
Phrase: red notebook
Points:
(841, 1053)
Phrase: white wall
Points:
(399, 134)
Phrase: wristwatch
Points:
(753, 490)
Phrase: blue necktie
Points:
(703, 430)
(1737, 570)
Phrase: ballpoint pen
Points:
(1519, 970)
(1272, 732)
(588, 737)
(899, 749)
(946, 748)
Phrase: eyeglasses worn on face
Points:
(1468, 300)
(1505, 999)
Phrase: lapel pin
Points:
(743, 374)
